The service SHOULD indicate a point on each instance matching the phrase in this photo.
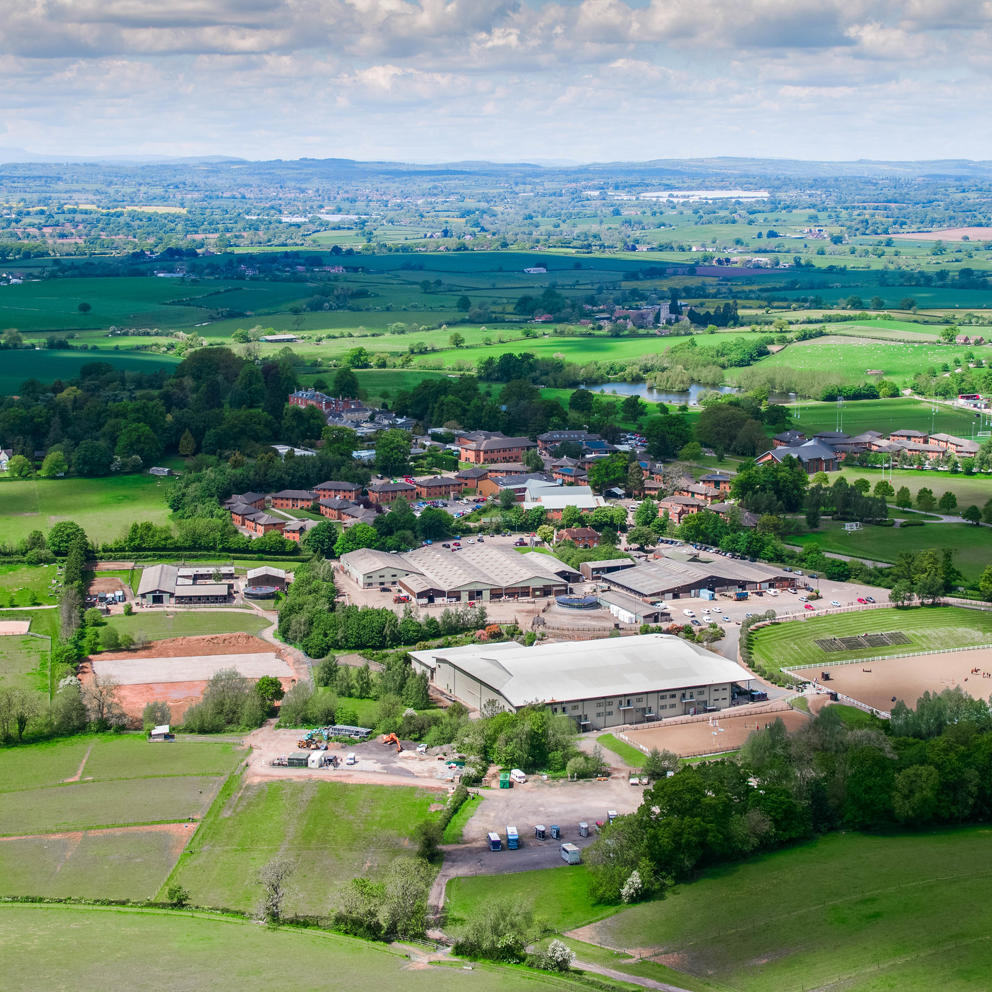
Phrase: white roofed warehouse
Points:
(602, 683)
(473, 574)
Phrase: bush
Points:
(128, 609)
(907, 523)
(155, 714)
(499, 930)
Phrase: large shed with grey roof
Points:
(473, 574)
(598, 684)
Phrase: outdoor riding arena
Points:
(879, 684)
(176, 670)
(714, 733)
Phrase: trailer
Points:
(298, 760)
(540, 832)
(495, 844)
(512, 839)
(555, 831)
(570, 854)
(583, 829)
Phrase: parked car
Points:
(688, 613)
(695, 622)
(834, 602)
(725, 619)
(808, 606)
(861, 599)
(870, 599)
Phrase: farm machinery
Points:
(314, 740)
(393, 739)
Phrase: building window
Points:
(575, 707)
(609, 712)
(638, 699)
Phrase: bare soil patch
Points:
(191, 647)
(14, 627)
(880, 683)
(180, 677)
(727, 731)
(107, 583)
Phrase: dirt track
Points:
(880, 683)
(727, 732)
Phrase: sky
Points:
(500, 80)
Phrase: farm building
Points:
(472, 574)
(593, 570)
(632, 680)
(266, 575)
(168, 585)
(630, 609)
(672, 578)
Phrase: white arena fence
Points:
(886, 657)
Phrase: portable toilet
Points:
(583, 829)
(512, 838)
(504, 780)
(570, 854)
(555, 831)
(495, 844)
(539, 832)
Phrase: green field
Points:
(47, 366)
(972, 546)
(558, 897)
(147, 626)
(331, 831)
(191, 951)
(970, 489)
(26, 585)
(21, 662)
(847, 911)
(853, 357)
(625, 752)
(791, 643)
(95, 504)
(52, 844)
(884, 416)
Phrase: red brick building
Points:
(490, 448)
(382, 493)
(438, 487)
(336, 490)
(292, 499)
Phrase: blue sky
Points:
(441, 80)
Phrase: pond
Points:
(650, 394)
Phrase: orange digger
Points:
(393, 739)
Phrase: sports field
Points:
(793, 643)
(192, 951)
(95, 504)
(884, 416)
(100, 816)
(331, 831)
(846, 911)
(880, 684)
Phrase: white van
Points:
(518, 776)
(570, 854)
(351, 759)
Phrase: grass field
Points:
(969, 489)
(558, 897)
(855, 356)
(972, 546)
(26, 585)
(21, 660)
(95, 504)
(158, 626)
(791, 643)
(897, 413)
(330, 831)
(187, 951)
(50, 365)
(847, 911)
(627, 754)
(54, 836)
